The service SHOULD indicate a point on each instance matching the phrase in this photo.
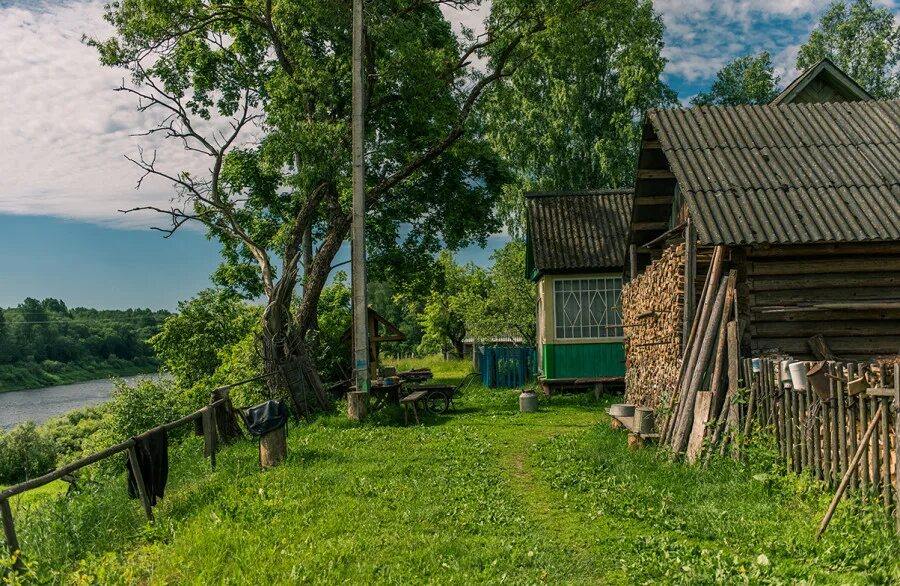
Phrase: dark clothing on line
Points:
(153, 459)
(265, 417)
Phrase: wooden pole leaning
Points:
(9, 533)
(846, 479)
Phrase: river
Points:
(39, 404)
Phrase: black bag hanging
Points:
(265, 417)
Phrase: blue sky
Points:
(63, 134)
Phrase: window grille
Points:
(588, 308)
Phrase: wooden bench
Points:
(411, 400)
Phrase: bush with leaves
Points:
(25, 452)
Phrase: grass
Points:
(486, 495)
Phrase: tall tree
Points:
(750, 79)
(278, 72)
(862, 40)
(569, 117)
(506, 306)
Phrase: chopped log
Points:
(273, 448)
(819, 348)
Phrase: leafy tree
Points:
(25, 452)
(507, 307)
(569, 117)
(443, 314)
(750, 79)
(862, 40)
(190, 341)
(282, 66)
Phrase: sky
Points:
(64, 133)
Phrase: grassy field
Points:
(485, 495)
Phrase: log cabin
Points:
(575, 255)
(802, 194)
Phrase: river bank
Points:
(32, 375)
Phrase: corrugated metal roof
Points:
(787, 174)
(580, 230)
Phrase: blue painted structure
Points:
(509, 367)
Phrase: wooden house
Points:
(575, 254)
(803, 197)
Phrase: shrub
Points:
(25, 452)
(143, 405)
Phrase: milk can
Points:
(528, 402)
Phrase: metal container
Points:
(622, 410)
(798, 376)
(643, 420)
(528, 402)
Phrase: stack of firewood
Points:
(652, 309)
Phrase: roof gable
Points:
(577, 231)
(823, 82)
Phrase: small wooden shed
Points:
(803, 194)
(575, 254)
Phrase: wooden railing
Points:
(215, 419)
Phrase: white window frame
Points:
(600, 330)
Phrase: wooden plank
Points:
(828, 250)
(852, 416)
(782, 329)
(800, 314)
(872, 264)
(802, 418)
(685, 417)
(897, 444)
(840, 394)
(690, 277)
(655, 174)
(827, 457)
(795, 298)
(862, 404)
(645, 226)
(817, 281)
(887, 477)
(840, 345)
(702, 404)
(653, 200)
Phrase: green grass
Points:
(485, 495)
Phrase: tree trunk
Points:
(287, 354)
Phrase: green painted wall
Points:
(583, 360)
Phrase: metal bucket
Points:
(622, 410)
(528, 402)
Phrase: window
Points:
(588, 308)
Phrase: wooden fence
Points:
(218, 421)
(845, 428)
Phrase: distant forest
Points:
(44, 343)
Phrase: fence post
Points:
(139, 481)
(209, 435)
(9, 532)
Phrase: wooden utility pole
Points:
(358, 236)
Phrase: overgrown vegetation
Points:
(485, 495)
(45, 343)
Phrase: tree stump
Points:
(635, 441)
(357, 403)
(273, 448)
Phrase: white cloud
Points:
(63, 130)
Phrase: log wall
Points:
(849, 294)
(652, 308)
